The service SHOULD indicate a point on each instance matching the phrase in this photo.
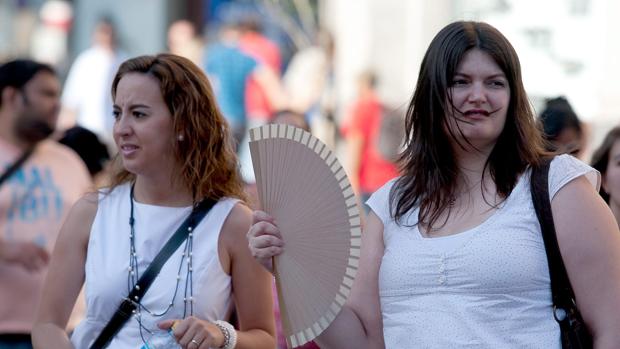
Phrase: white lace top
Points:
(487, 287)
(107, 262)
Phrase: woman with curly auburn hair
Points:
(452, 251)
(175, 152)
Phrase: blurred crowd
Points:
(254, 85)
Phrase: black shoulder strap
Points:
(562, 293)
(16, 165)
(126, 308)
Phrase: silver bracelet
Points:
(230, 335)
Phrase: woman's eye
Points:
(138, 114)
(498, 83)
(459, 82)
(116, 114)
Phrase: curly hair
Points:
(208, 163)
(428, 161)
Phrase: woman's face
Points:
(611, 179)
(143, 129)
(480, 97)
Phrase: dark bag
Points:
(16, 165)
(126, 308)
(574, 332)
(391, 133)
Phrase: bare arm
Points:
(359, 324)
(25, 254)
(251, 285)
(590, 246)
(355, 143)
(270, 82)
(65, 277)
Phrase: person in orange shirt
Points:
(36, 197)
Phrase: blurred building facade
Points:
(566, 47)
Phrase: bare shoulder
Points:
(87, 204)
(81, 216)
(237, 224)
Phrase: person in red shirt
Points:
(256, 45)
(369, 170)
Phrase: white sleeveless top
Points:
(487, 287)
(107, 264)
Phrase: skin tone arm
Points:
(589, 242)
(359, 324)
(355, 143)
(26, 254)
(252, 290)
(270, 82)
(65, 277)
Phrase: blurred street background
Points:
(567, 48)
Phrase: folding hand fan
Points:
(303, 186)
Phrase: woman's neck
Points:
(471, 165)
(162, 191)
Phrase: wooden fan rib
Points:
(302, 294)
(296, 206)
(281, 171)
(312, 179)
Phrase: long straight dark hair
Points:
(428, 165)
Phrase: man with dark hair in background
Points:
(41, 180)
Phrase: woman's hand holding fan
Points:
(302, 186)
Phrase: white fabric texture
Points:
(487, 287)
(107, 265)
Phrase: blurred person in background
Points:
(86, 98)
(564, 131)
(50, 38)
(310, 86)
(369, 170)
(256, 45)
(90, 149)
(35, 199)
(606, 159)
(183, 41)
(229, 69)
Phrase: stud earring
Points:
(181, 138)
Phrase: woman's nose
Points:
(477, 93)
(121, 126)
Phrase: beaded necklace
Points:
(133, 274)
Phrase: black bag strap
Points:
(126, 308)
(561, 290)
(16, 165)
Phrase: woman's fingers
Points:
(260, 216)
(264, 228)
(264, 239)
(198, 334)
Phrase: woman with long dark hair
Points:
(452, 251)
